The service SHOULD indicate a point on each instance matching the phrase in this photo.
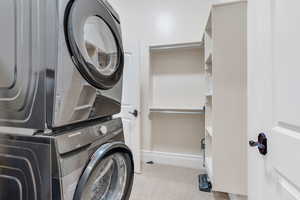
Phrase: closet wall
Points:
(176, 99)
(177, 76)
(173, 133)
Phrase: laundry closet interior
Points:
(193, 90)
(197, 94)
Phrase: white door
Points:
(130, 111)
(274, 98)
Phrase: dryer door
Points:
(94, 40)
(108, 176)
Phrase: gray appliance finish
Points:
(89, 163)
(61, 62)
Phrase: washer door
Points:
(108, 176)
(94, 41)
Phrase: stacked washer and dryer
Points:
(61, 65)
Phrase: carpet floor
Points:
(160, 182)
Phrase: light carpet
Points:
(161, 182)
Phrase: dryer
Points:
(89, 163)
(61, 62)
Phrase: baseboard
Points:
(173, 159)
(237, 197)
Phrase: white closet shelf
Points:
(225, 52)
(176, 110)
(209, 130)
(190, 45)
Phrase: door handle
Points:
(261, 144)
(135, 113)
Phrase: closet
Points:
(199, 90)
(226, 91)
(176, 103)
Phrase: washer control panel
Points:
(69, 141)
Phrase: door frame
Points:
(134, 50)
(259, 45)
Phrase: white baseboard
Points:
(173, 159)
(237, 197)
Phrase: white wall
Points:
(159, 22)
(162, 21)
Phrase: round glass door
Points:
(109, 179)
(99, 46)
(94, 40)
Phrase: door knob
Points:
(261, 144)
(135, 113)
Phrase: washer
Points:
(88, 163)
(61, 62)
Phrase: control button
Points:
(103, 130)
